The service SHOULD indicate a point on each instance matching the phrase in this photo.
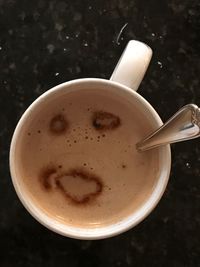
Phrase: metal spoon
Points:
(183, 125)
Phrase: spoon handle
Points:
(183, 125)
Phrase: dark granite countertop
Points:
(44, 43)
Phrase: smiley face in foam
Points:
(82, 168)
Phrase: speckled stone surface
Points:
(44, 43)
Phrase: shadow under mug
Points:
(124, 82)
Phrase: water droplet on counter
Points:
(160, 64)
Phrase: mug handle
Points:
(132, 64)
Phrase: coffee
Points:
(78, 162)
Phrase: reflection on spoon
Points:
(183, 125)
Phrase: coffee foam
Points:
(79, 163)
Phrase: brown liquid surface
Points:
(79, 163)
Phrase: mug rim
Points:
(106, 231)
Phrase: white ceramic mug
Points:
(125, 80)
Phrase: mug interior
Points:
(122, 225)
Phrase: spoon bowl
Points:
(183, 125)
